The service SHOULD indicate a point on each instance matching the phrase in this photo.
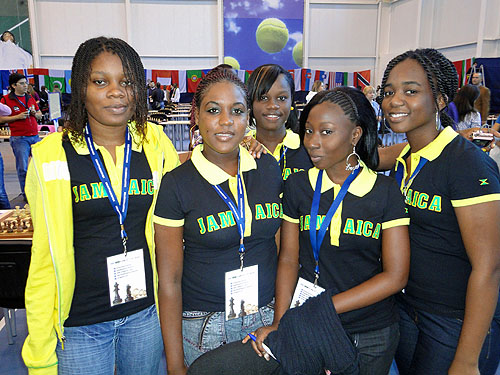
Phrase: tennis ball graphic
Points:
(297, 53)
(232, 61)
(271, 35)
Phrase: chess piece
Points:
(129, 294)
(242, 309)
(117, 296)
(231, 314)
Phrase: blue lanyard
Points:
(238, 212)
(121, 211)
(20, 102)
(317, 237)
(400, 171)
(283, 156)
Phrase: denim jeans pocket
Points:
(197, 328)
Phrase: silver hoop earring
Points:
(348, 166)
(438, 120)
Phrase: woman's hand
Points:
(467, 134)
(253, 146)
(260, 335)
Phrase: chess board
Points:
(16, 224)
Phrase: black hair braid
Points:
(441, 75)
(260, 82)
(359, 110)
(133, 69)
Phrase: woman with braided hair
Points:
(362, 261)
(215, 222)
(452, 194)
(90, 295)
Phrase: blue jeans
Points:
(133, 344)
(376, 349)
(4, 199)
(203, 331)
(428, 343)
(21, 146)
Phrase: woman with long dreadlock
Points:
(90, 296)
(452, 195)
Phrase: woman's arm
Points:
(286, 279)
(393, 278)
(169, 261)
(388, 155)
(480, 230)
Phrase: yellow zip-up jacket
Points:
(51, 278)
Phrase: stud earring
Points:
(348, 166)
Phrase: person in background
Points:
(175, 93)
(166, 95)
(90, 294)
(317, 86)
(452, 192)
(22, 122)
(34, 94)
(157, 97)
(468, 117)
(44, 99)
(482, 103)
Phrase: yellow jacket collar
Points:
(433, 149)
(82, 149)
(214, 174)
(361, 186)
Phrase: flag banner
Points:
(193, 79)
(322, 76)
(182, 81)
(362, 79)
(339, 79)
(67, 78)
(55, 79)
(306, 80)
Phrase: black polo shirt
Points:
(457, 174)
(96, 231)
(295, 158)
(211, 238)
(351, 250)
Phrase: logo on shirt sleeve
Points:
(483, 181)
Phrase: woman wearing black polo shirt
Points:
(216, 220)
(452, 195)
(271, 90)
(364, 255)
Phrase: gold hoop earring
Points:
(348, 166)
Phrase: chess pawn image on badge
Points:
(129, 294)
(231, 314)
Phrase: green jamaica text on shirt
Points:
(97, 191)
(225, 219)
(288, 171)
(357, 227)
(421, 200)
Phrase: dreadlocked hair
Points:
(133, 69)
(260, 82)
(441, 75)
(358, 110)
(216, 75)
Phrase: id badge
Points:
(304, 290)
(126, 277)
(242, 292)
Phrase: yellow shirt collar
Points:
(291, 140)
(82, 149)
(214, 174)
(433, 149)
(361, 186)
